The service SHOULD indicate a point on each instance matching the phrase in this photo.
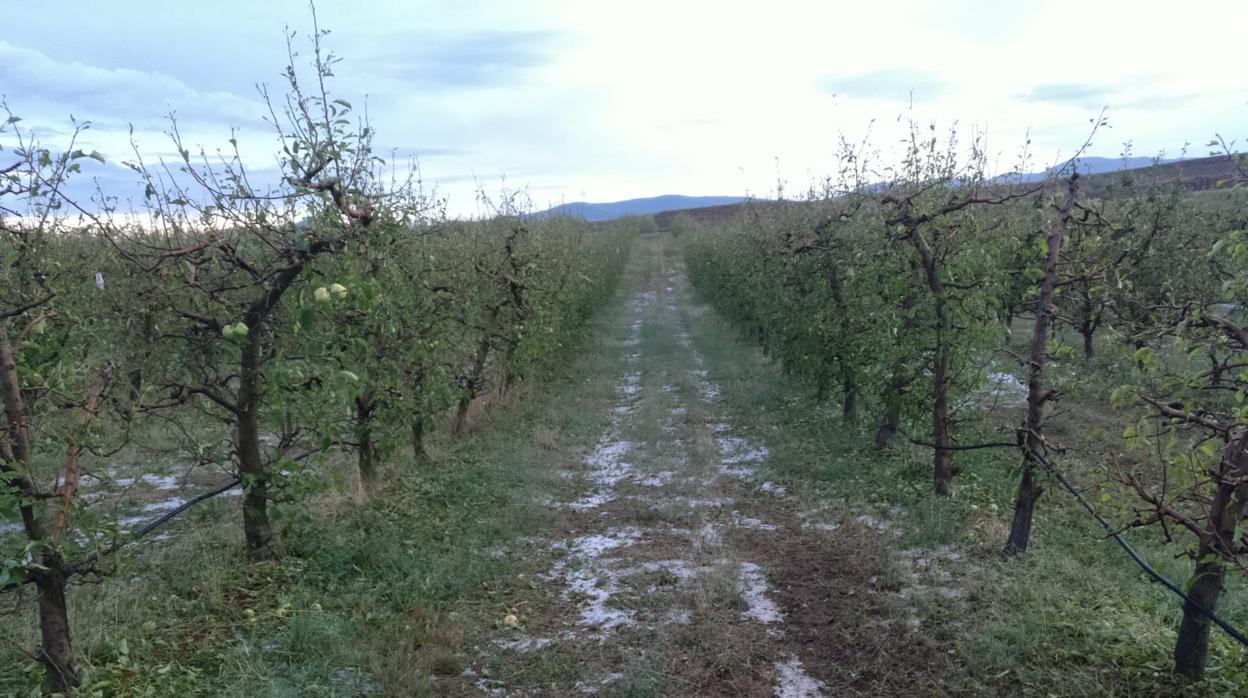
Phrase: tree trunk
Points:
(943, 469)
(849, 405)
(1089, 324)
(418, 439)
(892, 406)
(136, 373)
(942, 459)
(1089, 320)
(256, 527)
(55, 651)
(473, 385)
(1191, 648)
(849, 381)
(1216, 368)
(1032, 440)
(1029, 492)
(14, 406)
(366, 448)
(1205, 587)
(461, 414)
(899, 378)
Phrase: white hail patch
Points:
(740, 472)
(792, 681)
(680, 569)
(748, 455)
(772, 488)
(679, 616)
(591, 688)
(707, 536)
(607, 462)
(591, 501)
(160, 482)
(659, 479)
(524, 644)
(699, 503)
(750, 522)
(631, 385)
(483, 684)
(592, 581)
(163, 505)
(873, 523)
(592, 547)
(753, 586)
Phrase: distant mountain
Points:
(1193, 174)
(1097, 165)
(637, 207)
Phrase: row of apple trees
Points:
(896, 292)
(257, 328)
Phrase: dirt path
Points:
(675, 567)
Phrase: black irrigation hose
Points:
(147, 528)
(1061, 479)
(152, 526)
(971, 447)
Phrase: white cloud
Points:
(608, 101)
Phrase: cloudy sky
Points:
(605, 101)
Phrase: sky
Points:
(599, 101)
